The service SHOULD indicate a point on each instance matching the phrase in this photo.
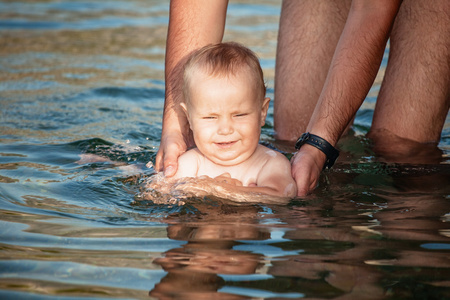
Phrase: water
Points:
(82, 77)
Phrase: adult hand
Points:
(307, 164)
(226, 178)
(172, 146)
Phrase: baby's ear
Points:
(264, 109)
(184, 107)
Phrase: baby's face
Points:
(226, 115)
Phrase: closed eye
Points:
(241, 115)
(209, 118)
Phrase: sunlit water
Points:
(85, 79)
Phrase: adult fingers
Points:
(167, 160)
(170, 163)
(159, 160)
(306, 170)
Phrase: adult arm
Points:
(353, 69)
(192, 24)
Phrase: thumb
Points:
(170, 165)
(302, 180)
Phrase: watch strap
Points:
(314, 140)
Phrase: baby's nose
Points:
(225, 127)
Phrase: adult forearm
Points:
(354, 66)
(192, 24)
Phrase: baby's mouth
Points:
(226, 144)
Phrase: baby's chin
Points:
(230, 157)
(227, 162)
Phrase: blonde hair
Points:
(223, 59)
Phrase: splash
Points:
(163, 190)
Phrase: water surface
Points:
(86, 77)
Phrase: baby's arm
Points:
(274, 179)
(275, 176)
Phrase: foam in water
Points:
(161, 189)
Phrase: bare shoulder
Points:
(276, 173)
(188, 163)
(190, 154)
(275, 163)
(272, 155)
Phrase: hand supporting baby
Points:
(163, 190)
(226, 178)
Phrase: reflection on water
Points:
(82, 80)
(192, 270)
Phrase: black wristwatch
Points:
(321, 144)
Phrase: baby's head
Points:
(224, 60)
(224, 100)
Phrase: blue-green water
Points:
(82, 77)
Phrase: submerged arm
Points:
(274, 186)
(274, 179)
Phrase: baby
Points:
(225, 104)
